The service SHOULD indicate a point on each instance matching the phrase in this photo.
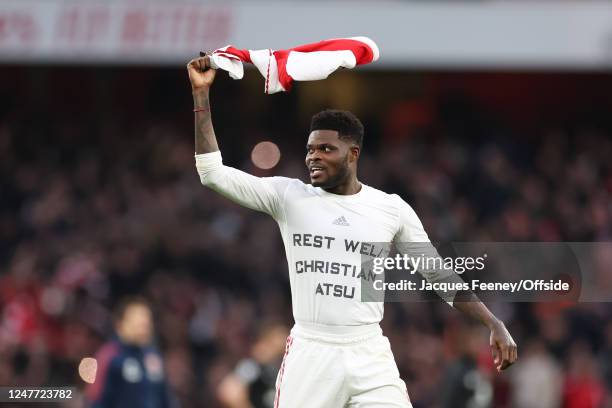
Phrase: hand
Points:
(232, 393)
(503, 347)
(201, 75)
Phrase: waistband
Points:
(335, 334)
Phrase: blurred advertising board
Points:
(547, 34)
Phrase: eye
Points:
(326, 149)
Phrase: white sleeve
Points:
(258, 193)
(411, 239)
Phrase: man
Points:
(336, 355)
(465, 384)
(252, 383)
(130, 370)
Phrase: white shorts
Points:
(328, 368)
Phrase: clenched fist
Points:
(201, 74)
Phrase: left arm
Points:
(413, 239)
(502, 344)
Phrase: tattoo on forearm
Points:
(205, 139)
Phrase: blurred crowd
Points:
(99, 201)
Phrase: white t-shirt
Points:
(324, 235)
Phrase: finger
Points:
(193, 64)
(495, 353)
(505, 355)
(204, 63)
(510, 360)
(499, 357)
(513, 354)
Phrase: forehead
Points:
(323, 136)
(136, 311)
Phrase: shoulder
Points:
(284, 184)
(391, 200)
(377, 193)
(405, 210)
(110, 351)
(400, 202)
(394, 204)
(286, 181)
(292, 186)
(108, 360)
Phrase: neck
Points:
(350, 187)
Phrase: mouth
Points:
(316, 171)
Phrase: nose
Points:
(314, 156)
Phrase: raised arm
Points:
(202, 77)
(259, 193)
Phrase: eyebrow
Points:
(308, 146)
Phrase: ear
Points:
(354, 152)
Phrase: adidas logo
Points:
(341, 221)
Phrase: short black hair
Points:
(344, 122)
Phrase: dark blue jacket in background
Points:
(129, 377)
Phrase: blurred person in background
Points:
(605, 360)
(536, 382)
(252, 384)
(583, 387)
(465, 383)
(130, 369)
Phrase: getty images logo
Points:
(428, 263)
(341, 221)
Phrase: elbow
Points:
(209, 181)
(210, 168)
(208, 176)
(205, 180)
